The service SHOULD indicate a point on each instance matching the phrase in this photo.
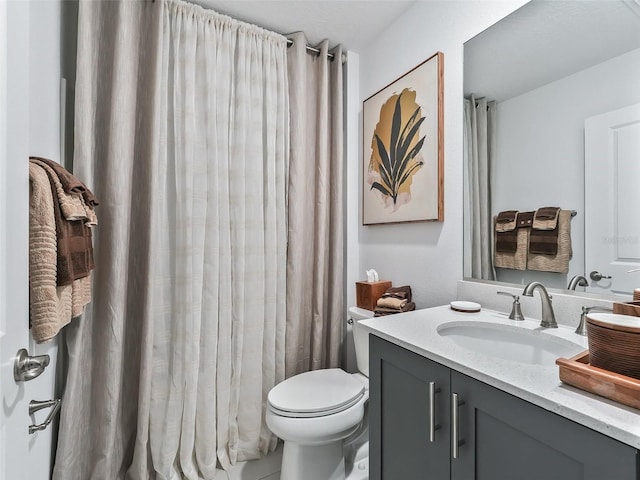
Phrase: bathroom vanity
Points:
(438, 410)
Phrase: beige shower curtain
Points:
(479, 147)
(182, 133)
(316, 209)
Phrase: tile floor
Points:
(267, 468)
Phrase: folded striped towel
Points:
(380, 311)
(391, 302)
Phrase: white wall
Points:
(352, 107)
(540, 148)
(427, 256)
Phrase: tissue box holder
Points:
(368, 293)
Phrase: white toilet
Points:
(315, 412)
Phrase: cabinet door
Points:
(507, 438)
(401, 447)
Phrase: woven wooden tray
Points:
(577, 372)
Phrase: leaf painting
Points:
(396, 149)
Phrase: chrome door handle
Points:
(455, 425)
(432, 411)
(596, 276)
(35, 405)
(27, 367)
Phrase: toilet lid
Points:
(316, 393)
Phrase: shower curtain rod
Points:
(315, 50)
(310, 49)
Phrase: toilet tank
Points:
(361, 338)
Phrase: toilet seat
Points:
(315, 394)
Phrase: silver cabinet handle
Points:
(35, 405)
(27, 367)
(597, 276)
(455, 425)
(432, 411)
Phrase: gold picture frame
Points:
(403, 141)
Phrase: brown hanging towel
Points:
(506, 233)
(515, 259)
(544, 231)
(558, 263)
(74, 243)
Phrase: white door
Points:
(14, 418)
(27, 39)
(612, 200)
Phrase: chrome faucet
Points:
(582, 326)
(578, 281)
(548, 317)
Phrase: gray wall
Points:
(540, 148)
(427, 256)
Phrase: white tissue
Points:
(372, 275)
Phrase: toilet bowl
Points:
(315, 412)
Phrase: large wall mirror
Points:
(552, 119)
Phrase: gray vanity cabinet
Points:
(400, 447)
(508, 438)
(500, 437)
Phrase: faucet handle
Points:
(581, 329)
(596, 307)
(516, 311)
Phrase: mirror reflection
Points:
(552, 119)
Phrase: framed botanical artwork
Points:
(403, 156)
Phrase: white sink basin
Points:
(513, 343)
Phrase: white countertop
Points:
(540, 385)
